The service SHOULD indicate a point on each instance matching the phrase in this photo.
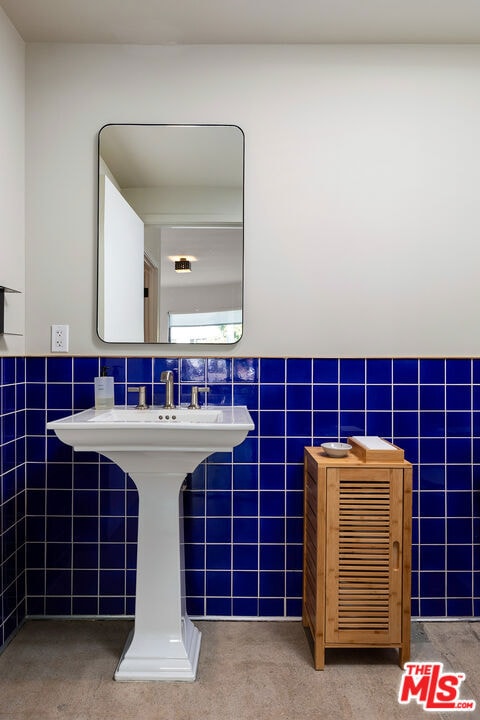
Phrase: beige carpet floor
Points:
(63, 670)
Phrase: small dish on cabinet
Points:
(336, 449)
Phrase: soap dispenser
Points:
(104, 391)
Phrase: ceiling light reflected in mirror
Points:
(182, 265)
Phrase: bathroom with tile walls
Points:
(350, 328)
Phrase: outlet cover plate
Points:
(59, 338)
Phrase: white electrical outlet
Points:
(60, 338)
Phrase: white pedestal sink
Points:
(158, 448)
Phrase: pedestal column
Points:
(164, 644)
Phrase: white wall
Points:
(362, 219)
(12, 183)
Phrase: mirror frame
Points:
(98, 263)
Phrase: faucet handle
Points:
(141, 403)
(194, 404)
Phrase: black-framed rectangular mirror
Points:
(170, 233)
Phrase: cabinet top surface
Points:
(351, 460)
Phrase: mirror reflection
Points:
(170, 233)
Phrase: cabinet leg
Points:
(319, 656)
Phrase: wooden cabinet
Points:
(357, 550)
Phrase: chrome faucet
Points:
(167, 378)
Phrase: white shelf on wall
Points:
(3, 290)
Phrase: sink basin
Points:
(158, 447)
(158, 415)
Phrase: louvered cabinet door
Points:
(364, 529)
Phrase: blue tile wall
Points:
(243, 510)
(12, 495)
